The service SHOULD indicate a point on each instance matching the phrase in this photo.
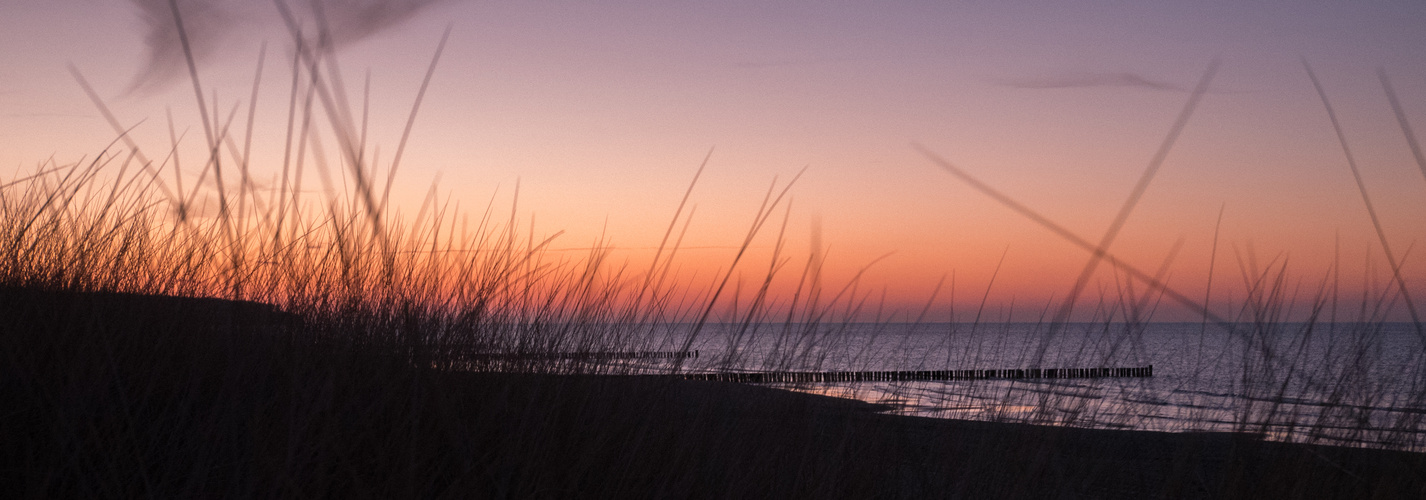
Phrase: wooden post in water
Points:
(920, 375)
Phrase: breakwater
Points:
(892, 376)
(583, 355)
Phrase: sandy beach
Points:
(166, 400)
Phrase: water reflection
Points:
(1345, 384)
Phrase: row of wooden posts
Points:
(890, 376)
(854, 376)
(587, 355)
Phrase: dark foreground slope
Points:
(109, 395)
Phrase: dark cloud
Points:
(203, 24)
(1084, 80)
(209, 24)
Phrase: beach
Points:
(427, 249)
(154, 402)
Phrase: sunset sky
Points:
(603, 111)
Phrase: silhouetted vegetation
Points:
(280, 345)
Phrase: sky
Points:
(601, 113)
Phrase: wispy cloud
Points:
(208, 24)
(1088, 80)
(48, 115)
(791, 62)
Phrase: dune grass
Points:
(282, 344)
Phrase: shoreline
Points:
(128, 395)
(921, 456)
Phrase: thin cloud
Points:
(209, 24)
(791, 62)
(48, 115)
(1090, 80)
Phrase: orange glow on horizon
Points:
(590, 126)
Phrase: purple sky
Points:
(602, 111)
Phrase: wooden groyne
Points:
(584, 355)
(892, 376)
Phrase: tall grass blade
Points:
(1367, 202)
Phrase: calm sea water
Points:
(1329, 383)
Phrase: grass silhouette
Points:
(287, 345)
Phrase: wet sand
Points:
(773, 442)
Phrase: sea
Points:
(1329, 383)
